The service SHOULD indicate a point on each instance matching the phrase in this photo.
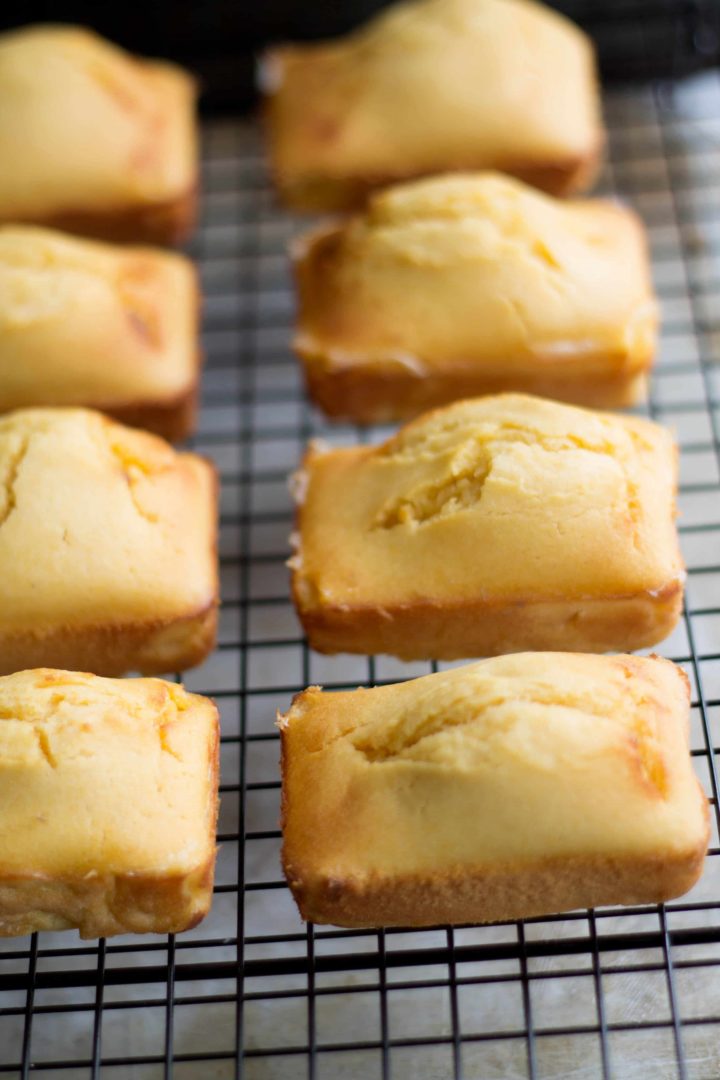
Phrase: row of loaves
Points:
(108, 536)
(529, 783)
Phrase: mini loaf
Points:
(108, 803)
(94, 140)
(84, 323)
(432, 86)
(473, 284)
(107, 547)
(494, 525)
(523, 785)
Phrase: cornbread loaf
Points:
(85, 323)
(107, 547)
(434, 86)
(522, 785)
(94, 140)
(493, 525)
(473, 284)
(108, 803)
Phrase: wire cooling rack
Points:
(625, 993)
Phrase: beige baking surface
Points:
(254, 425)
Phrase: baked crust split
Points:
(518, 786)
(108, 546)
(473, 284)
(493, 525)
(108, 798)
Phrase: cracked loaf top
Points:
(84, 323)
(430, 86)
(101, 776)
(478, 272)
(506, 498)
(85, 127)
(100, 525)
(423, 777)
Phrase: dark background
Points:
(218, 39)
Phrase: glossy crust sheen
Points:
(494, 525)
(84, 323)
(108, 552)
(94, 140)
(473, 284)
(519, 786)
(434, 86)
(108, 804)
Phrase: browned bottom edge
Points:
(151, 646)
(166, 223)
(313, 193)
(365, 394)
(541, 886)
(436, 630)
(173, 420)
(104, 904)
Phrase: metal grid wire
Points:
(624, 993)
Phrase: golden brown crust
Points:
(470, 284)
(430, 87)
(84, 323)
(497, 894)
(117, 904)
(343, 195)
(570, 177)
(135, 525)
(364, 394)
(473, 627)
(494, 525)
(170, 223)
(87, 851)
(515, 787)
(95, 140)
(174, 420)
(150, 647)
